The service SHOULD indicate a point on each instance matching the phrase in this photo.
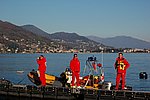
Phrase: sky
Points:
(102, 18)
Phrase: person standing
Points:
(42, 69)
(75, 68)
(121, 65)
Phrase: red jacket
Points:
(75, 65)
(42, 64)
(121, 65)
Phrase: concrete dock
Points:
(30, 92)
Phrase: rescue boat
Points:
(93, 77)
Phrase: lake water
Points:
(57, 62)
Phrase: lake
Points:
(57, 62)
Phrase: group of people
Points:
(121, 65)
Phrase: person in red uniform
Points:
(42, 68)
(75, 68)
(121, 65)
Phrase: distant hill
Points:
(65, 36)
(14, 37)
(29, 38)
(70, 39)
(35, 30)
(122, 42)
(16, 32)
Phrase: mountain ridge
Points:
(15, 39)
(29, 38)
(57, 35)
(35, 29)
(66, 37)
(126, 41)
(122, 42)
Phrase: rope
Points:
(21, 80)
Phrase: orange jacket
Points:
(75, 65)
(121, 65)
(42, 64)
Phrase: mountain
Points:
(69, 37)
(122, 42)
(65, 36)
(29, 38)
(75, 39)
(15, 32)
(35, 30)
(14, 38)
(71, 40)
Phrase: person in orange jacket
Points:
(121, 65)
(42, 69)
(75, 68)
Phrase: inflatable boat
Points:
(93, 77)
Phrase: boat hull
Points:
(34, 78)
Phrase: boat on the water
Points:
(94, 78)
(20, 71)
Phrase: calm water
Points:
(56, 63)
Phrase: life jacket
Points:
(42, 64)
(121, 65)
(75, 65)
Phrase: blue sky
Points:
(102, 18)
